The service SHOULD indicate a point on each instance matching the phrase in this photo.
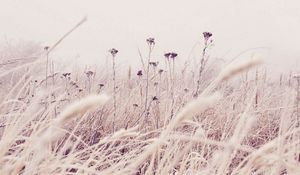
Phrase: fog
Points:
(266, 28)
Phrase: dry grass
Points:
(238, 124)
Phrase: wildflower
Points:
(89, 73)
(66, 74)
(167, 55)
(172, 55)
(140, 73)
(46, 48)
(207, 35)
(100, 85)
(135, 105)
(151, 41)
(154, 98)
(154, 64)
(186, 90)
(113, 52)
(73, 83)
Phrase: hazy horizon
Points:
(270, 25)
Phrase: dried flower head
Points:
(160, 71)
(140, 73)
(66, 74)
(89, 73)
(46, 48)
(154, 98)
(151, 41)
(167, 55)
(113, 52)
(154, 64)
(186, 90)
(171, 55)
(207, 35)
(100, 85)
(135, 105)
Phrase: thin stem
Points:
(147, 81)
(172, 89)
(47, 62)
(115, 91)
(202, 66)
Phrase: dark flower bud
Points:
(135, 105)
(113, 51)
(140, 73)
(154, 64)
(151, 41)
(154, 98)
(207, 35)
(89, 73)
(167, 55)
(46, 48)
(173, 55)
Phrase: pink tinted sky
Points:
(237, 25)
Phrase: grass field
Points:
(202, 117)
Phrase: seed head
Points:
(154, 98)
(135, 105)
(46, 48)
(167, 55)
(66, 74)
(140, 73)
(89, 73)
(154, 64)
(207, 35)
(113, 52)
(151, 41)
(171, 55)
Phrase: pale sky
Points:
(237, 25)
